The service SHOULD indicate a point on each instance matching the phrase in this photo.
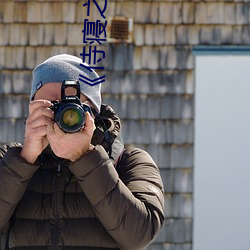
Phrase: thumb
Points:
(89, 124)
(50, 129)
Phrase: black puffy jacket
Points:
(94, 203)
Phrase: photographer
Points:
(76, 189)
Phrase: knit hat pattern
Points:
(66, 67)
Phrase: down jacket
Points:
(98, 202)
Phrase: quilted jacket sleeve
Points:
(129, 200)
(15, 174)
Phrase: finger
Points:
(38, 103)
(38, 122)
(40, 131)
(36, 132)
(41, 111)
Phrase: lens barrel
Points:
(70, 117)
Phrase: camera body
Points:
(70, 112)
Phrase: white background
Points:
(222, 153)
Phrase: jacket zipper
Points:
(56, 232)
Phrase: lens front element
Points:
(71, 117)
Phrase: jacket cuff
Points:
(15, 175)
(96, 174)
(17, 164)
(89, 161)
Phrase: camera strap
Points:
(106, 133)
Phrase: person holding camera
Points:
(72, 184)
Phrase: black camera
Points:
(70, 112)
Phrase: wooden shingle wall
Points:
(150, 82)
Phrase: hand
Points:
(35, 141)
(71, 146)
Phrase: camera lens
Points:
(70, 117)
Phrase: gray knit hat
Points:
(66, 67)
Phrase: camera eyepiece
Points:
(70, 111)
